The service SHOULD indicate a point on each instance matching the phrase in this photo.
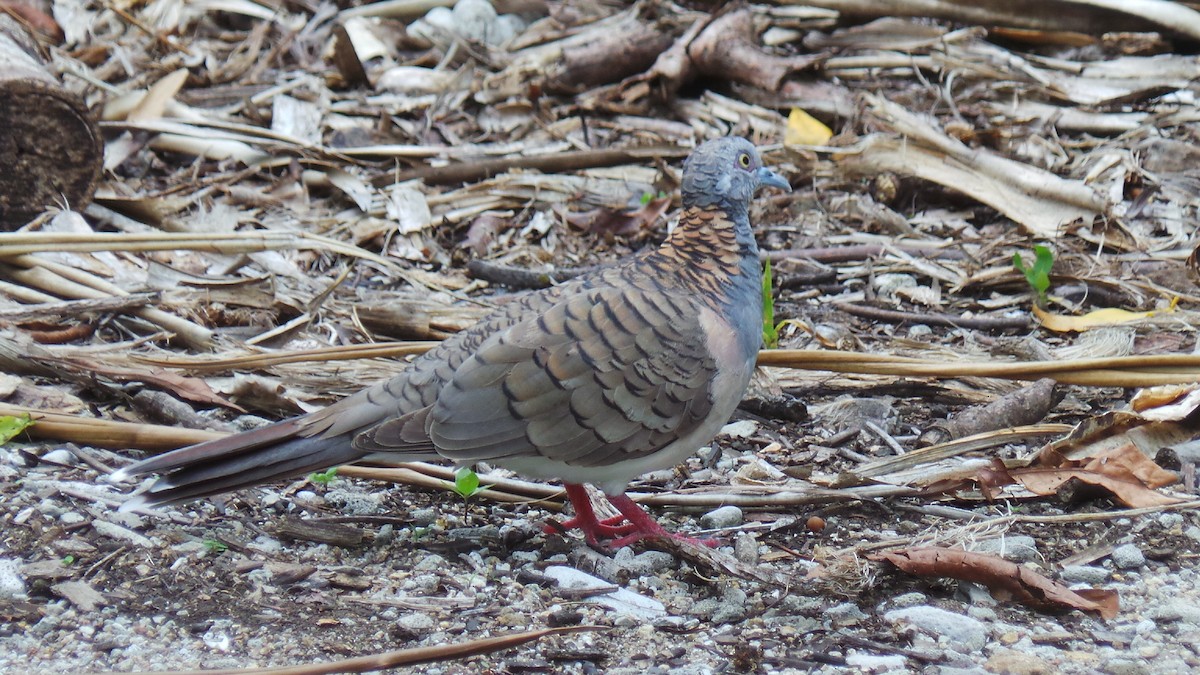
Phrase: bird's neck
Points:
(712, 248)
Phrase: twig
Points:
(401, 657)
(77, 307)
(516, 277)
(931, 319)
(472, 170)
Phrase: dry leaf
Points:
(623, 223)
(1002, 578)
(804, 129)
(1110, 316)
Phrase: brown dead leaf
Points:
(1002, 577)
(1129, 463)
(623, 223)
(1129, 491)
(483, 231)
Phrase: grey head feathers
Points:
(726, 172)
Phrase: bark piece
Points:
(50, 146)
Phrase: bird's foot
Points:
(594, 530)
(633, 525)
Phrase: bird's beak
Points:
(769, 177)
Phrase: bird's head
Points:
(726, 172)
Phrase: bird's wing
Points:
(603, 375)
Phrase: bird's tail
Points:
(273, 452)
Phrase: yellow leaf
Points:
(804, 129)
(1101, 317)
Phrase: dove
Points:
(623, 371)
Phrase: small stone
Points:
(1084, 574)
(1170, 520)
(739, 429)
(1193, 533)
(431, 563)
(71, 518)
(61, 456)
(1179, 610)
(1018, 548)
(423, 517)
(745, 548)
(621, 601)
(114, 531)
(415, 623)
(845, 614)
(1012, 662)
(876, 663)
(649, 562)
(12, 586)
(726, 516)
(984, 614)
(1128, 557)
(911, 599)
(955, 631)
(1124, 667)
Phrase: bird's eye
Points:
(744, 160)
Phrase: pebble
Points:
(958, 632)
(845, 614)
(1170, 520)
(745, 548)
(621, 601)
(1128, 557)
(431, 563)
(876, 663)
(423, 517)
(911, 599)
(1124, 667)
(356, 502)
(115, 531)
(416, 623)
(12, 586)
(1181, 610)
(1018, 548)
(1084, 574)
(726, 516)
(61, 456)
(1012, 662)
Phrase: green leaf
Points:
(770, 331)
(68, 560)
(325, 477)
(11, 426)
(1037, 274)
(466, 482)
(215, 546)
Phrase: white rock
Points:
(876, 663)
(11, 584)
(725, 516)
(117, 532)
(622, 601)
(956, 631)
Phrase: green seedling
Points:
(68, 560)
(648, 197)
(466, 482)
(215, 546)
(324, 477)
(11, 426)
(1037, 274)
(770, 330)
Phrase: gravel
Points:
(132, 592)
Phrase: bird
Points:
(616, 373)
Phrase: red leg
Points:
(594, 530)
(642, 525)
